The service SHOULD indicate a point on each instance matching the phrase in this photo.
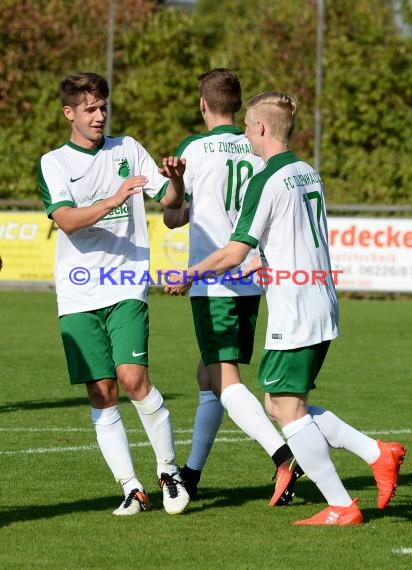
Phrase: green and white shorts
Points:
(95, 342)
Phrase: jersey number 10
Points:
(235, 181)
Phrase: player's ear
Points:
(202, 105)
(261, 128)
(68, 112)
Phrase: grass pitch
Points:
(57, 494)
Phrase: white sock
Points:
(341, 435)
(247, 413)
(312, 453)
(209, 415)
(112, 440)
(156, 421)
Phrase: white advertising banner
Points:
(374, 254)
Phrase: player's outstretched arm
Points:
(71, 219)
(221, 260)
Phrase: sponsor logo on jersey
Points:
(117, 213)
(122, 167)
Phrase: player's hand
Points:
(177, 290)
(176, 282)
(254, 264)
(173, 167)
(131, 186)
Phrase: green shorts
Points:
(291, 371)
(95, 342)
(225, 327)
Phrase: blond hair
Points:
(278, 110)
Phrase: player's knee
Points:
(134, 380)
(285, 408)
(103, 393)
(203, 377)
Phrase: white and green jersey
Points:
(219, 163)
(108, 262)
(283, 210)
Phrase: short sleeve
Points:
(54, 189)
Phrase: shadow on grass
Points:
(306, 493)
(354, 484)
(35, 512)
(44, 404)
(60, 403)
(214, 498)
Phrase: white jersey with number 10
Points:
(219, 165)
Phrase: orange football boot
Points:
(337, 516)
(285, 478)
(386, 470)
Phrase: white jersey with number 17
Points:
(283, 210)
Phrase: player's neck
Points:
(272, 148)
(213, 121)
(84, 142)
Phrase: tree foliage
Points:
(156, 92)
(41, 42)
(366, 104)
(160, 51)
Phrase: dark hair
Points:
(74, 87)
(221, 89)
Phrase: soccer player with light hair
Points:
(283, 211)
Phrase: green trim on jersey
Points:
(161, 192)
(253, 194)
(45, 194)
(44, 191)
(278, 161)
(58, 205)
(216, 131)
(91, 151)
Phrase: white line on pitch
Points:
(388, 432)
(134, 430)
(402, 550)
(39, 450)
(91, 429)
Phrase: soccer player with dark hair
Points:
(92, 187)
(219, 164)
